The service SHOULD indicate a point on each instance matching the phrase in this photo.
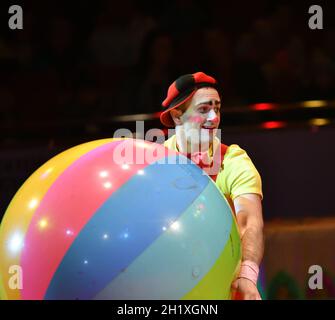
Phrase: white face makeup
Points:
(200, 121)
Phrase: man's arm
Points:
(248, 208)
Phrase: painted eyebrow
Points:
(217, 102)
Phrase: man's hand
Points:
(246, 289)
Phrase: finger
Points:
(234, 285)
(250, 297)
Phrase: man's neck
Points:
(192, 148)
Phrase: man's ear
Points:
(176, 116)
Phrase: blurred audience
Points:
(99, 61)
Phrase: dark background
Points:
(77, 67)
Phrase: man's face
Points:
(202, 118)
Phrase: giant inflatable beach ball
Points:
(118, 219)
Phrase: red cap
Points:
(182, 90)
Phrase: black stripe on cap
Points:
(185, 83)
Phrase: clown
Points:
(193, 107)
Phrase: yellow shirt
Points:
(237, 174)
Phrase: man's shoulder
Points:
(235, 151)
(237, 159)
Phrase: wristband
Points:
(249, 270)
